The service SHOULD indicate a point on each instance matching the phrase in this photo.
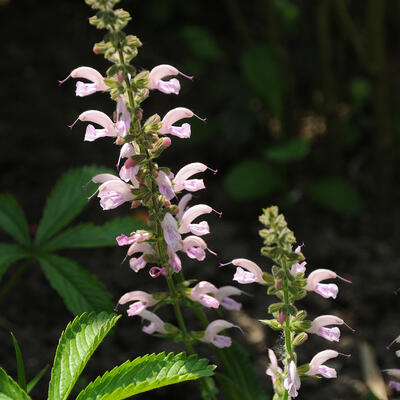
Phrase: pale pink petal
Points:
(99, 118)
(191, 214)
(171, 233)
(255, 271)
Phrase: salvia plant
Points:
(288, 283)
(80, 290)
(173, 233)
(76, 346)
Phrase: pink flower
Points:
(182, 182)
(201, 293)
(136, 264)
(113, 191)
(192, 213)
(223, 296)
(292, 380)
(123, 118)
(138, 236)
(165, 185)
(194, 247)
(127, 150)
(84, 89)
(171, 233)
(323, 289)
(182, 206)
(317, 367)
(394, 385)
(174, 259)
(99, 118)
(247, 271)
(212, 330)
(318, 327)
(273, 370)
(129, 174)
(141, 299)
(156, 323)
(161, 71)
(173, 116)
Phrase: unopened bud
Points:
(120, 76)
(96, 49)
(282, 317)
(278, 284)
(135, 204)
(152, 123)
(139, 115)
(129, 163)
(132, 40)
(119, 140)
(174, 209)
(166, 142)
(272, 323)
(167, 203)
(141, 80)
(300, 338)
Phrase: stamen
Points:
(396, 292)
(394, 341)
(345, 355)
(84, 187)
(214, 171)
(89, 198)
(64, 80)
(212, 252)
(124, 259)
(343, 279)
(186, 76)
(71, 126)
(219, 213)
(223, 265)
(201, 119)
(240, 329)
(353, 330)
(116, 308)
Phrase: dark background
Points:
(302, 108)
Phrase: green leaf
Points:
(146, 373)
(250, 179)
(201, 43)
(12, 219)
(20, 364)
(337, 195)
(66, 201)
(89, 235)
(360, 91)
(237, 365)
(263, 73)
(80, 290)
(77, 344)
(288, 151)
(9, 389)
(10, 253)
(37, 378)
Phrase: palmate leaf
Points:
(9, 389)
(66, 201)
(12, 219)
(80, 290)
(89, 235)
(146, 373)
(77, 344)
(10, 253)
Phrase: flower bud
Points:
(278, 284)
(135, 204)
(141, 80)
(300, 339)
(272, 323)
(132, 40)
(282, 317)
(152, 123)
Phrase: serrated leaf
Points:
(337, 195)
(80, 290)
(10, 253)
(12, 219)
(89, 235)
(66, 201)
(32, 383)
(144, 374)
(9, 389)
(20, 364)
(251, 179)
(77, 343)
(288, 151)
(263, 73)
